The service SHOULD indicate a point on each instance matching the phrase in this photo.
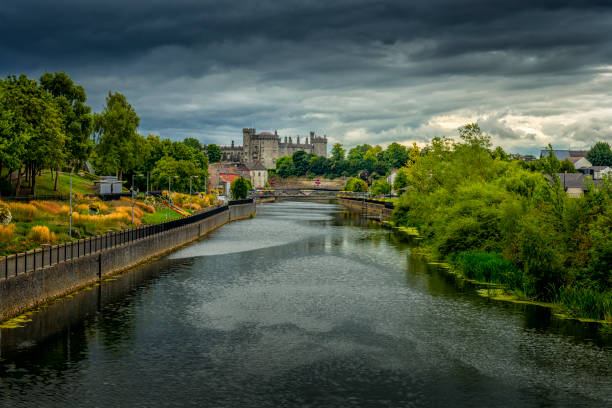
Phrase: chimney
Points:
(306, 142)
(232, 144)
(311, 134)
(290, 141)
(298, 142)
(285, 139)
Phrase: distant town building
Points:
(565, 154)
(266, 147)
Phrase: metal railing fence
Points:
(12, 265)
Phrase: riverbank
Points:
(102, 256)
(567, 303)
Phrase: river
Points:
(305, 305)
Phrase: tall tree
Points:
(36, 121)
(76, 116)
(396, 155)
(193, 142)
(600, 154)
(213, 152)
(118, 141)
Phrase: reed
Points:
(586, 302)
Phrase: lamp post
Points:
(70, 211)
(190, 177)
(132, 194)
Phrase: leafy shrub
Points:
(381, 187)
(356, 185)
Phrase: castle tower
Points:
(247, 136)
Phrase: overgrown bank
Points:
(496, 221)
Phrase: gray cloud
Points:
(531, 73)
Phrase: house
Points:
(579, 162)
(221, 175)
(596, 172)
(565, 154)
(575, 184)
(258, 174)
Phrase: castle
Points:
(266, 147)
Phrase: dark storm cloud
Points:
(378, 70)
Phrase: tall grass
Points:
(6, 232)
(586, 302)
(22, 211)
(101, 220)
(41, 235)
(50, 207)
(491, 267)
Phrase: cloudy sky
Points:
(529, 72)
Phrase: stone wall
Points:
(27, 290)
(367, 207)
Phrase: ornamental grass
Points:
(50, 207)
(41, 235)
(22, 211)
(6, 232)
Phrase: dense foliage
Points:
(240, 188)
(600, 154)
(47, 125)
(500, 222)
(371, 159)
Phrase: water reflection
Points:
(305, 305)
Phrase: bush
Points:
(356, 185)
(240, 188)
(41, 235)
(381, 187)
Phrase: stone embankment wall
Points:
(28, 290)
(367, 207)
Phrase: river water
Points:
(304, 305)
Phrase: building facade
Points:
(266, 147)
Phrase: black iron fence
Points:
(53, 254)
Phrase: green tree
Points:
(381, 187)
(401, 180)
(240, 188)
(118, 142)
(600, 154)
(337, 152)
(301, 162)
(77, 119)
(214, 153)
(567, 166)
(396, 155)
(193, 143)
(285, 167)
(13, 135)
(36, 121)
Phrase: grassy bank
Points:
(495, 220)
(47, 222)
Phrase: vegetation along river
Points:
(304, 305)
